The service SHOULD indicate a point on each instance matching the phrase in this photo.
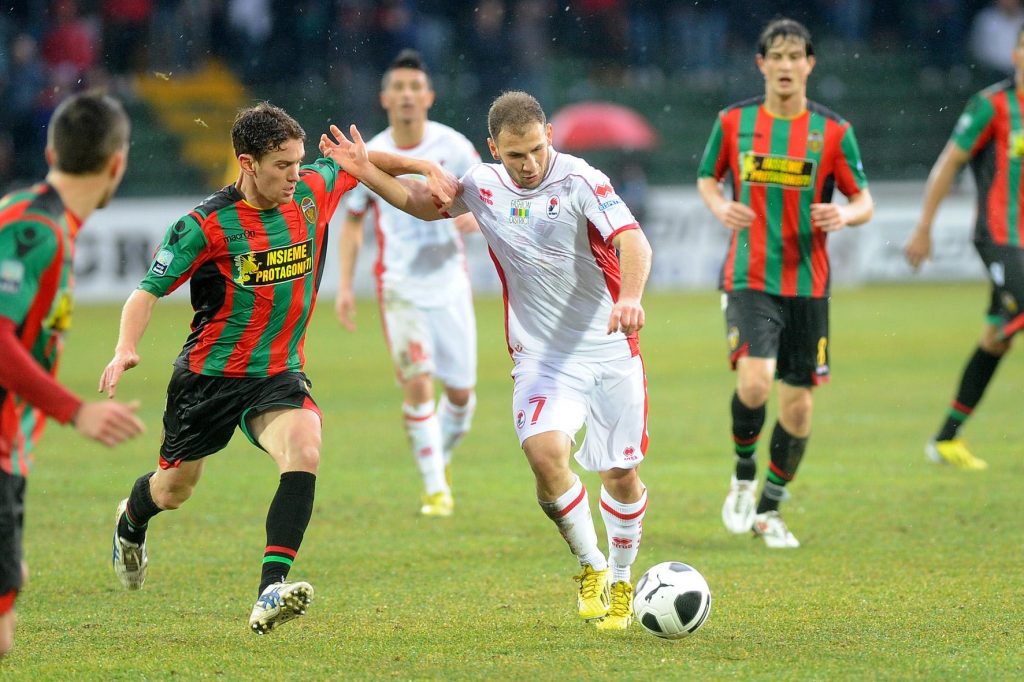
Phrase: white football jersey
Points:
(552, 248)
(419, 261)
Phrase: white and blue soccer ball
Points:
(672, 600)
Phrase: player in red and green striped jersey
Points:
(989, 135)
(254, 252)
(785, 155)
(87, 149)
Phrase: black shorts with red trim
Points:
(203, 411)
(791, 329)
(1005, 267)
(12, 524)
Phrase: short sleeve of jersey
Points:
(180, 253)
(461, 204)
(973, 125)
(328, 182)
(605, 210)
(27, 249)
(850, 176)
(714, 161)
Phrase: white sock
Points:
(455, 422)
(571, 513)
(624, 523)
(424, 429)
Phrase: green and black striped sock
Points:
(787, 451)
(287, 519)
(747, 423)
(976, 377)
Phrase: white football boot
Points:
(279, 603)
(772, 528)
(739, 507)
(129, 559)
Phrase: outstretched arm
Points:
(635, 265)
(940, 180)
(135, 315)
(420, 200)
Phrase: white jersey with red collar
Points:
(418, 261)
(552, 246)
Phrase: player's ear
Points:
(51, 158)
(547, 133)
(811, 62)
(247, 163)
(493, 148)
(116, 165)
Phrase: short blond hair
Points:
(514, 111)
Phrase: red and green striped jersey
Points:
(779, 168)
(991, 130)
(255, 274)
(37, 244)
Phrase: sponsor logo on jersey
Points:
(816, 141)
(1010, 303)
(1017, 144)
(604, 190)
(962, 123)
(487, 196)
(238, 236)
(776, 170)
(274, 266)
(162, 260)
(59, 319)
(519, 212)
(553, 207)
(12, 274)
(308, 207)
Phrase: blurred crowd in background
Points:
(481, 47)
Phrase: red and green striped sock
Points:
(975, 379)
(747, 423)
(787, 451)
(287, 519)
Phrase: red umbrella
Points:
(601, 125)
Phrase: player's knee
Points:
(305, 457)
(993, 344)
(459, 397)
(419, 389)
(754, 391)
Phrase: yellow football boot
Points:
(620, 613)
(593, 598)
(954, 452)
(438, 504)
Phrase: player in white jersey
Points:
(554, 224)
(422, 283)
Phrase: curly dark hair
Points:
(262, 129)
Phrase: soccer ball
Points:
(672, 600)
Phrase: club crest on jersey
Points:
(776, 170)
(519, 213)
(815, 141)
(308, 207)
(274, 266)
(520, 419)
(487, 196)
(553, 208)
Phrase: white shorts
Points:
(440, 341)
(610, 398)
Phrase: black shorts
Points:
(12, 523)
(793, 330)
(1005, 267)
(203, 411)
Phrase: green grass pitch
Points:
(907, 570)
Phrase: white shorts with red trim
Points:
(610, 398)
(440, 341)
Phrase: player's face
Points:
(785, 67)
(277, 174)
(525, 156)
(407, 97)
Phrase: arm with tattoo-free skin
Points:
(635, 265)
